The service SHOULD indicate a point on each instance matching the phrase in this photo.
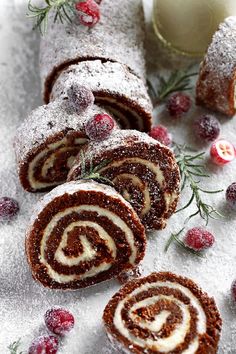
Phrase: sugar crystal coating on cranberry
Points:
(207, 128)
(99, 127)
(178, 104)
(198, 239)
(233, 290)
(80, 97)
(89, 12)
(59, 320)
(44, 345)
(231, 195)
(8, 208)
(160, 133)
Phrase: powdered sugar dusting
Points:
(23, 301)
(118, 36)
(53, 118)
(121, 138)
(111, 78)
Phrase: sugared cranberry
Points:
(233, 290)
(222, 152)
(99, 127)
(199, 239)
(231, 195)
(89, 12)
(8, 208)
(44, 345)
(59, 320)
(178, 104)
(160, 133)
(207, 128)
(80, 97)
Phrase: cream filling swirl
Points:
(163, 345)
(169, 197)
(88, 251)
(55, 148)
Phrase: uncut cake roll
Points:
(143, 170)
(163, 313)
(82, 233)
(216, 82)
(47, 143)
(118, 36)
(114, 87)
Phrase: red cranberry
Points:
(207, 128)
(80, 97)
(44, 345)
(199, 239)
(231, 195)
(59, 320)
(160, 133)
(8, 208)
(178, 104)
(90, 12)
(233, 290)
(222, 152)
(99, 127)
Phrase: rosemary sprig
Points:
(175, 238)
(178, 80)
(63, 9)
(191, 169)
(88, 171)
(14, 347)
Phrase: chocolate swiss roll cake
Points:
(47, 143)
(114, 87)
(83, 233)
(143, 170)
(216, 82)
(118, 36)
(163, 313)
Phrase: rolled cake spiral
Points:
(114, 87)
(216, 82)
(47, 143)
(163, 313)
(82, 233)
(118, 36)
(144, 171)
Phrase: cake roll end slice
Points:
(217, 78)
(163, 313)
(83, 233)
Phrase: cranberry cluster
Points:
(58, 321)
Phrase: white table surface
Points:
(24, 302)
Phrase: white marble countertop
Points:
(24, 302)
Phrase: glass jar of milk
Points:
(187, 26)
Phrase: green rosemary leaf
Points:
(186, 205)
(186, 248)
(63, 9)
(199, 174)
(93, 172)
(172, 238)
(190, 168)
(175, 238)
(177, 81)
(211, 192)
(14, 347)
